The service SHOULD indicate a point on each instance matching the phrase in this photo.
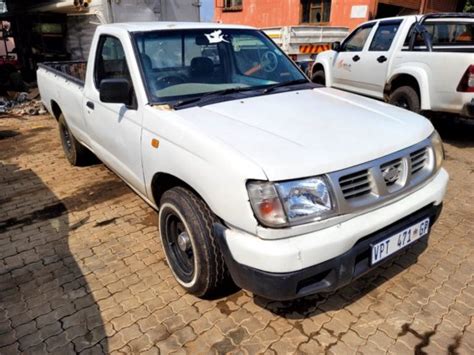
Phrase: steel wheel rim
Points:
(180, 254)
(66, 138)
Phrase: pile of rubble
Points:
(22, 103)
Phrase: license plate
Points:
(391, 245)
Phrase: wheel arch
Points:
(55, 110)
(316, 67)
(323, 61)
(416, 79)
(162, 182)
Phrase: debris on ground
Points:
(22, 103)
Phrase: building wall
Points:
(261, 13)
(268, 13)
(341, 11)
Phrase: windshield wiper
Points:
(283, 84)
(211, 95)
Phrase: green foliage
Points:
(469, 7)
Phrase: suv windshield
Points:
(185, 64)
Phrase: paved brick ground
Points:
(82, 270)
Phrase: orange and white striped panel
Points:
(314, 48)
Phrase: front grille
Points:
(392, 171)
(356, 184)
(375, 182)
(418, 160)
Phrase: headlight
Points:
(438, 149)
(291, 202)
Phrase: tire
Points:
(193, 255)
(75, 152)
(405, 97)
(319, 77)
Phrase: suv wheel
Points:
(186, 233)
(405, 97)
(319, 77)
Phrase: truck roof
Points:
(158, 25)
(447, 16)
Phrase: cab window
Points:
(384, 36)
(444, 34)
(356, 40)
(110, 60)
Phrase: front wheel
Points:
(319, 77)
(405, 97)
(185, 225)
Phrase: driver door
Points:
(378, 57)
(350, 65)
(115, 129)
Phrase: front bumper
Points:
(325, 277)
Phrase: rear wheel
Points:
(319, 77)
(185, 225)
(75, 152)
(405, 97)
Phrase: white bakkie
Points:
(421, 63)
(260, 177)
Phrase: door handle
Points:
(90, 104)
(356, 58)
(382, 59)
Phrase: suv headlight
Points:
(291, 202)
(438, 149)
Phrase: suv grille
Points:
(418, 160)
(355, 185)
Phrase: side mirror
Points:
(116, 91)
(336, 46)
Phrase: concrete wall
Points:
(80, 30)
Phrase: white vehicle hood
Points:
(304, 133)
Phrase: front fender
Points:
(213, 169)
(326, 59)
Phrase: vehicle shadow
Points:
(314, 305)
(456, 131)
(46, 304)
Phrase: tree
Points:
(469, 7)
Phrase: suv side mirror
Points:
(116, 91)
(336, 46)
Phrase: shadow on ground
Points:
(455, 131)
(46, 304)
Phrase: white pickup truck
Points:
(259, 176)
(421, 63)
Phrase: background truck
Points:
(259, 175)
(304, 43)
(61, 30)
(421, 63)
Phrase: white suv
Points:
(421, 63)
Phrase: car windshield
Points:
(179, 65)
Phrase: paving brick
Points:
(78, 286)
